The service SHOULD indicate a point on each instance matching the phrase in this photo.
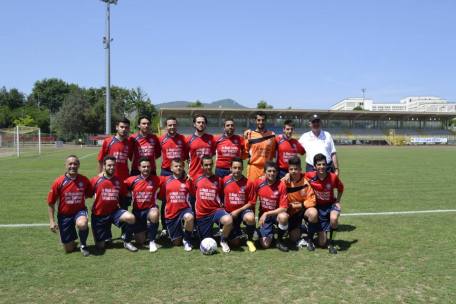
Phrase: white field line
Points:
(343, 214)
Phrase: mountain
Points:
(223, 103)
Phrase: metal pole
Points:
(107, 43)
(17, 141)
(39, 141)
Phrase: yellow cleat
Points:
(251, 246)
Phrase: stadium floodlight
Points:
(107, 45)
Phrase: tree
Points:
(72, 116)
(196, 104)
(50, 93)
(263, 105)
(358, 108)
(12, 99)
(26, 120)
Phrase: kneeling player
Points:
(239, 201)
(207, 189)
(144, 189)
(272, 194)
(323, 183)
(301, 203)
(178, 211)
(70, 189)
(109, 190)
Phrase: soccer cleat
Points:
(282, 247)
(225, 247)
(302, 243)
(85, 252)
(310, 245)
(332, 249)
(108, 242)
(251, 246)
(187, 245)
(130, 247)
(152, 246)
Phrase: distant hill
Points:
(223, 103)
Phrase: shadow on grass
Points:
(345, 228)
(344, 245)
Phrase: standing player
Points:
(109, 191)
(301, 203)
(199, 144)
(260, 146)
(178, 212)
(323, 184)
(144, 144)
(207, 189)
(70, 189)
(287, 147)
(318, 141)
(119, 147)
(272, 194)
(227, 146)
(239, 201)
(172, 146)
(144, 190)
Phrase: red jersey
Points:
(144, 146)
(107, 194)
(121, 150)
(207, 191)
(199, 146)
(228, 148)
(71, 194)
(324, 189)
(172, 147)
(286, 149)
(272, 196)
(176, 191)
(237, 193)
(144, 191)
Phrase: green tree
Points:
(263, 105)
(196, 104)
(6, 117)
(50, 93)
(71, 120)
(358, 108)
(26, 120)
(12, 99)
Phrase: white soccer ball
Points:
(208, 246)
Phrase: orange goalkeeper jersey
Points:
(260, 147)
(301, 192)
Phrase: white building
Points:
(408, 104)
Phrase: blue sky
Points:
(298, 53)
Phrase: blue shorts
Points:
(101, 225)
(222, 172)
(267, 229)
(165, 172)
(175, 225)
(295, 221)
(67, 226)
(141, 220)
(237, 232)
(324, 213)
(204, 224)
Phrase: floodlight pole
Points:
(107, 45)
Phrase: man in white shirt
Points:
(318, 141)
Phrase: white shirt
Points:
(323, 143)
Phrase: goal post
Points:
(20, 141)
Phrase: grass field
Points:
(382, 259)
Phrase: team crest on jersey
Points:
(276, 193)
(179, 142)
(182, 186)
(242, 188)
(209, 142)
(235, 141)
(328, 186)
(294, 146)
(116, 183)
(81, 184)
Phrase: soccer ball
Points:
(208, 246)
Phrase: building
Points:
(424, 104)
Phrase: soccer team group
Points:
(295, 204)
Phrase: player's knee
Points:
(188, 217)
(227, 220)
(312, 215)
(129, 218)
(153, 216)
(249, 218)
(282, 218)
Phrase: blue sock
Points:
(152, 231)
(83, 234)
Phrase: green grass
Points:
(383, 259)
